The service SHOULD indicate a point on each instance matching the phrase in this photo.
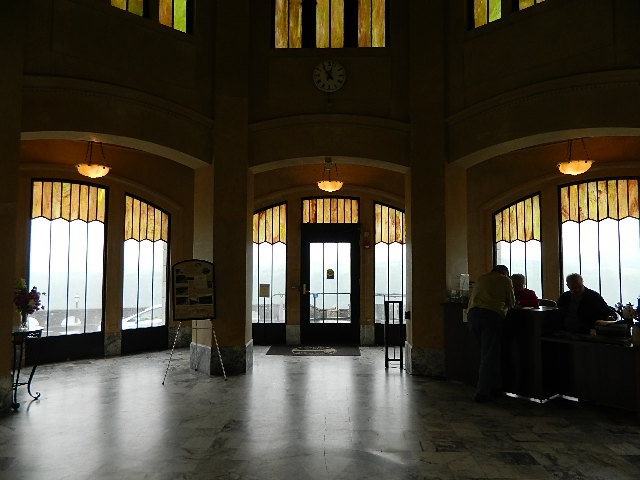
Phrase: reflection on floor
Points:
(296, 418)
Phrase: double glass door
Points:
(330, 304)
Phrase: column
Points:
(11, 59)
(425, 192)
(226, 192)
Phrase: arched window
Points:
(66, 255)
(145, 265)
(485, 11)
(329, 23)
(600, 235)
(517, 240)
(390, 258)
(270, 265)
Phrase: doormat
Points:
(314, 351)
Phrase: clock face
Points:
(329, 76)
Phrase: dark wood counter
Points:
(538, 363)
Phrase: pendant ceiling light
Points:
(90, 169)
(575, 167)
(326, 183)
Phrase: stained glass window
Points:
(66, 255)
(173, 13)
(133, 6)
(485, 11)
(527, 3)
(390, 258)
(330, 210)
(270, 264)
(600, 236)
(517, 240)
(145, 264)
(338, 24)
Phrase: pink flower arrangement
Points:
(26, 301)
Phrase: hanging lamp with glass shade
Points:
(90, 169)
(575, 167)
(327, 184)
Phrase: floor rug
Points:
(314, 351)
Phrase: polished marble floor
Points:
(298, 418)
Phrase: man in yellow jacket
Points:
(491, 298)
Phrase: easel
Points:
(213, 332)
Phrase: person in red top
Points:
(524, 296)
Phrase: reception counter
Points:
(538, 362)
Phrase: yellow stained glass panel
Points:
(633, 199)
(262, 219)
(157, 229)
(583, 199)
(528, 220)
(592, 188)
(385, 224)
(295, 24)
(56, 194)
(400, 228)
(75, 201)
(480, 12)
(268, 225)
(121, 4)
(354, 211)
(612, 187)
(128, 218)
(282, 24)
(378, 34)
(337, 23)
(495, 10)
(602, 200)
(623, 199)
(255, 228)
(180, 15)
(137, 7)
(283, 223)
(276, 224)
(93, 204)
(564, 204)
(305, 211)
(327, 210)
(166, 12)
(312, 211)
(520, 220)
(341, 210)
(334, 210)
(573, 203)
(165, 227)
(36, 202)
(513, 225)
(364, 23)
(536, 217)
(102, 205)
(151, 222)
(378, 219)
(348, 217)
(498, 221)
(66, 201)
(393, 213)
(83, 209)
(143, 220)
(526, 4)
(135, 225)
(322, 23)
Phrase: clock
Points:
(329, 76)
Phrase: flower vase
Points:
(25, 322)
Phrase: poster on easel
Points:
(193, 283)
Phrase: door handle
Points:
(304, 289)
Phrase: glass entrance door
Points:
(330, 285)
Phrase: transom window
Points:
(330, 23)
(517, 240)
(390, 258)
(330, 210)
(485, 11)
(172, 13)
(600, 233)
(270, 264)
(146, 251)
(66, 256)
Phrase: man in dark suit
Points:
(580, 307)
